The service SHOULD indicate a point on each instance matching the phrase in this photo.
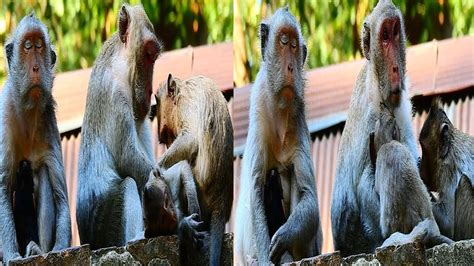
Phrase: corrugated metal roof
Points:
(433, 68)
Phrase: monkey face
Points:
(435, 140)
(138, 36)
(31, 60)
(284, 53)
(383, 43)
(166, 101)
(158, 207)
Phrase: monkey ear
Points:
(372, 151)
(123, 23)
(366, 39)
(305, 52)
(53, 58)
(171, 86)
(445, 137)
(9, 52)
(264, 31)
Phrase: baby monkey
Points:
(405, 208)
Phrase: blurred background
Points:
(78, 28)
(332, 28)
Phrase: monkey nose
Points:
(35, 68)
(290, 67)
(395, 69)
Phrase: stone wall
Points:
(165, 251)
(162, 250)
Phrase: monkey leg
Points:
(426, 232)
(46, 212)
(217, 235)
(117, 215)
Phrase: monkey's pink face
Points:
(389, 37)
(164, 109)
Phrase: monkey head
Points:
(31, 60)
(166, 110)
(142, 48)
(159, 213)
(283, 56)
(383, 44)
(386, 130)
(435, 139)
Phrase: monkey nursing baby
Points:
(405, 208)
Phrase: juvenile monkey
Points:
(448, 155)
(194, 123)
(404, 200)
(381, 80)
(278, 138)
(116, 156)
(28, 131)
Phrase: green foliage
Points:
(332, 28)
(79, 28)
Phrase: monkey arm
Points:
(184, 147)
(124, 142)
(262, 237)
(55, 173)
(7, 225)
(443, 211)
(182, 171)
(303, 220)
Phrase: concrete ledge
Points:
(162, 250)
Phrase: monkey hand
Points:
(194, 230)
(279, 244)
(32, 249)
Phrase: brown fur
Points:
(194, 122)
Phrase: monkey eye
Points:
(284, 39)
(293, 43)
(28, 44)
(38, 43)
(385, 34)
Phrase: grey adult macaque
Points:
(380, 81)
(29, 132)
(278, 147)
(116, 156)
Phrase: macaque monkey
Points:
(381, 82)
(447, 167)
(116, 155)
(194, 123)
(29, 133)
(277, 154)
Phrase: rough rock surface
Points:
(163, 250)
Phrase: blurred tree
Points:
(332, 28)
(78, 28)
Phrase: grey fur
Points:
(351, 202)
(448, 155)
(202, 140)
(116, 155)
(28, 130)
(269, 113)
